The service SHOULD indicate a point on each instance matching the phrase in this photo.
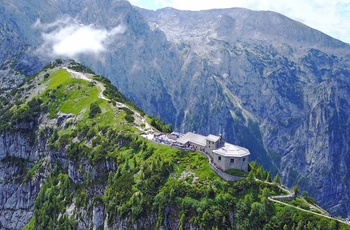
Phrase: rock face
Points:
(17, 198)
(266, 82)
(271, 84)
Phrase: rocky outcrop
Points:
(25, 166)
(18, 189)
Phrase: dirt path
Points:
(290, 195)
(304, 210)
(82, 76)
(139, 120)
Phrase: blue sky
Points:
(329, 16)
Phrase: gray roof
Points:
(230, 150)
(213, 138)
(193, 138)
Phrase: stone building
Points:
(231, 157)
(224, 155)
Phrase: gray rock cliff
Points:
(271, 84)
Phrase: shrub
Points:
(157, 123)
(129, 118)
(91, 133)
(64, 140)
(94, 110)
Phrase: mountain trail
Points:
(82, 76)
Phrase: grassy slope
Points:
(149, 176)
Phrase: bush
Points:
(160, 125)
(91, 133)
(310, 199)
(28, 113)
(64, 140)
(94, 110)
(129, 118)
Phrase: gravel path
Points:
(82, 76)
(138, 118)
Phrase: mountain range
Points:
(264, 81)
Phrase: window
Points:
(232, 161)
(243, 158)
(219, 158)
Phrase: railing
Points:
(284, 197)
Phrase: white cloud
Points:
(330, 17)
(68, 38)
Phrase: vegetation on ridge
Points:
(131, 178)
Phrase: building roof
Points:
(194, 138)
(230, 150)
(212, 138)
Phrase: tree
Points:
(256, 215)
(277, 179)
(54, 136)
(182, 221)
(268, 177)
(94, 110)
(296, 190)
(264, 199)
(333, 224)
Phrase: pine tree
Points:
(277, 179)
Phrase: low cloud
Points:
(68, 38)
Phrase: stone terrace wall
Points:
(223, 175)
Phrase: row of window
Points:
(231, 160)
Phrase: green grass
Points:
(30, 225)
(299, 202)
(33, 171)
(236, 172)
(77, 100)
(70, 95)
(58, 78)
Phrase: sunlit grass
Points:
(69, 95)
(58, 78)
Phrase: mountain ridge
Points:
(73, 160)
(245, 24)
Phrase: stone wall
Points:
(223, 175)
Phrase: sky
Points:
(329, 16)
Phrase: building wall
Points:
(198, 147)
(210, 146)
(225, 163)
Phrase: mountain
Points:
(264, 81)
(271, 84)
(72, 157)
